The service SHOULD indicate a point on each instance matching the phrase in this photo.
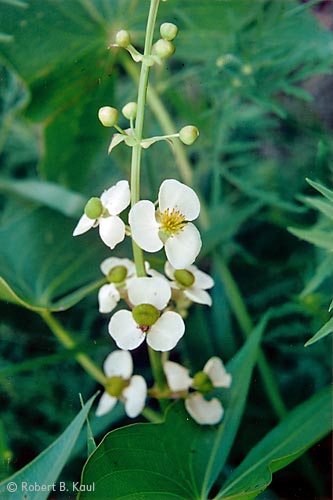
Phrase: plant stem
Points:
(67, 341)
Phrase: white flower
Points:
(121, 385)
(202, 411)
(148, 296)
(177, 376)
(217, 373)
(169, 226)
(108, 298)
(192, 281)
(104, 212)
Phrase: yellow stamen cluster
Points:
(172, 222)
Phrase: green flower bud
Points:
(123, 38)
(93, 208)
(163, 48)
(115, 386)
(202, 383)
(145, 314)
(188, 134)
(184, 278)
(168, 31)
(117, 274)
(247, 69)
(129, 110)
(108, 116)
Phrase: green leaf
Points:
(322, 189)
(45, 469)
(91, 445)
(322, 239)
(323, 206)
(305, 425)
(52, 270)
(323, 332)
(145, 461)
(323, 272)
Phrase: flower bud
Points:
(202, 383)
(145, 314)
(93, 208)
(168, 31)
(163, 48)
(117, 274)
(184, 277)
(123, 38)
(129, 110)
(188, 134)
(108, 116)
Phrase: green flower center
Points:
(93, 208)
(184, 278)
(145, 315)
(115, 386)
(171, 222)
(117, 274)
(202, 383)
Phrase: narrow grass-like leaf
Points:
(323, 332)
(323, 206)
(323, 272)
(322, 189)
(45, 469)
(322, 239)
(305, 425)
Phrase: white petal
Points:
(108, 298)
(202, 280)
(183, 248)
(198, 295)
(117, 198)
(84, 224)
(111, 230)
(144, 226)
(169, 270)
(174, 194)
(135, 396)
(112, 262)
(125, 331)
(165, 333)
(118, 364)
(106, 404)
(154, 291)
(216, 371)
(177, 376)
(203, 411)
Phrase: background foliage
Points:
(254, 77)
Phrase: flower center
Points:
(117, 274)
(184, 277)
(115, 386)
(171, 222)
(93, 208)
(145, 315)
(202, 383)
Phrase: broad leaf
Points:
(305, 425)
(45, 469)
(42, 266)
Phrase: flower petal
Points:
(202, 411)
(183, 248)
(144, 226)
(155, 291)
(198, 295)
(216, 371)
(112, 262)
(118, 364)
(111, 230)
(135, 396)
(108, 298)
(202, 280)
(175, 195)
(177, 376)
(84, 224)
(105, 404)
(125, 331)
(116, 139)
(166, 332)
(117, 198)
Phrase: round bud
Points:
(202, 383)
(188, 134)
(93, 208)
(108, 116)
(123, 38)
(115, 386)
(145, 314)
(117, 274)
(168, 31)
(184, 278)
(129, 110)
(247, 69)
(163, 48)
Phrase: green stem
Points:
(152, 415)
(67, 341)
